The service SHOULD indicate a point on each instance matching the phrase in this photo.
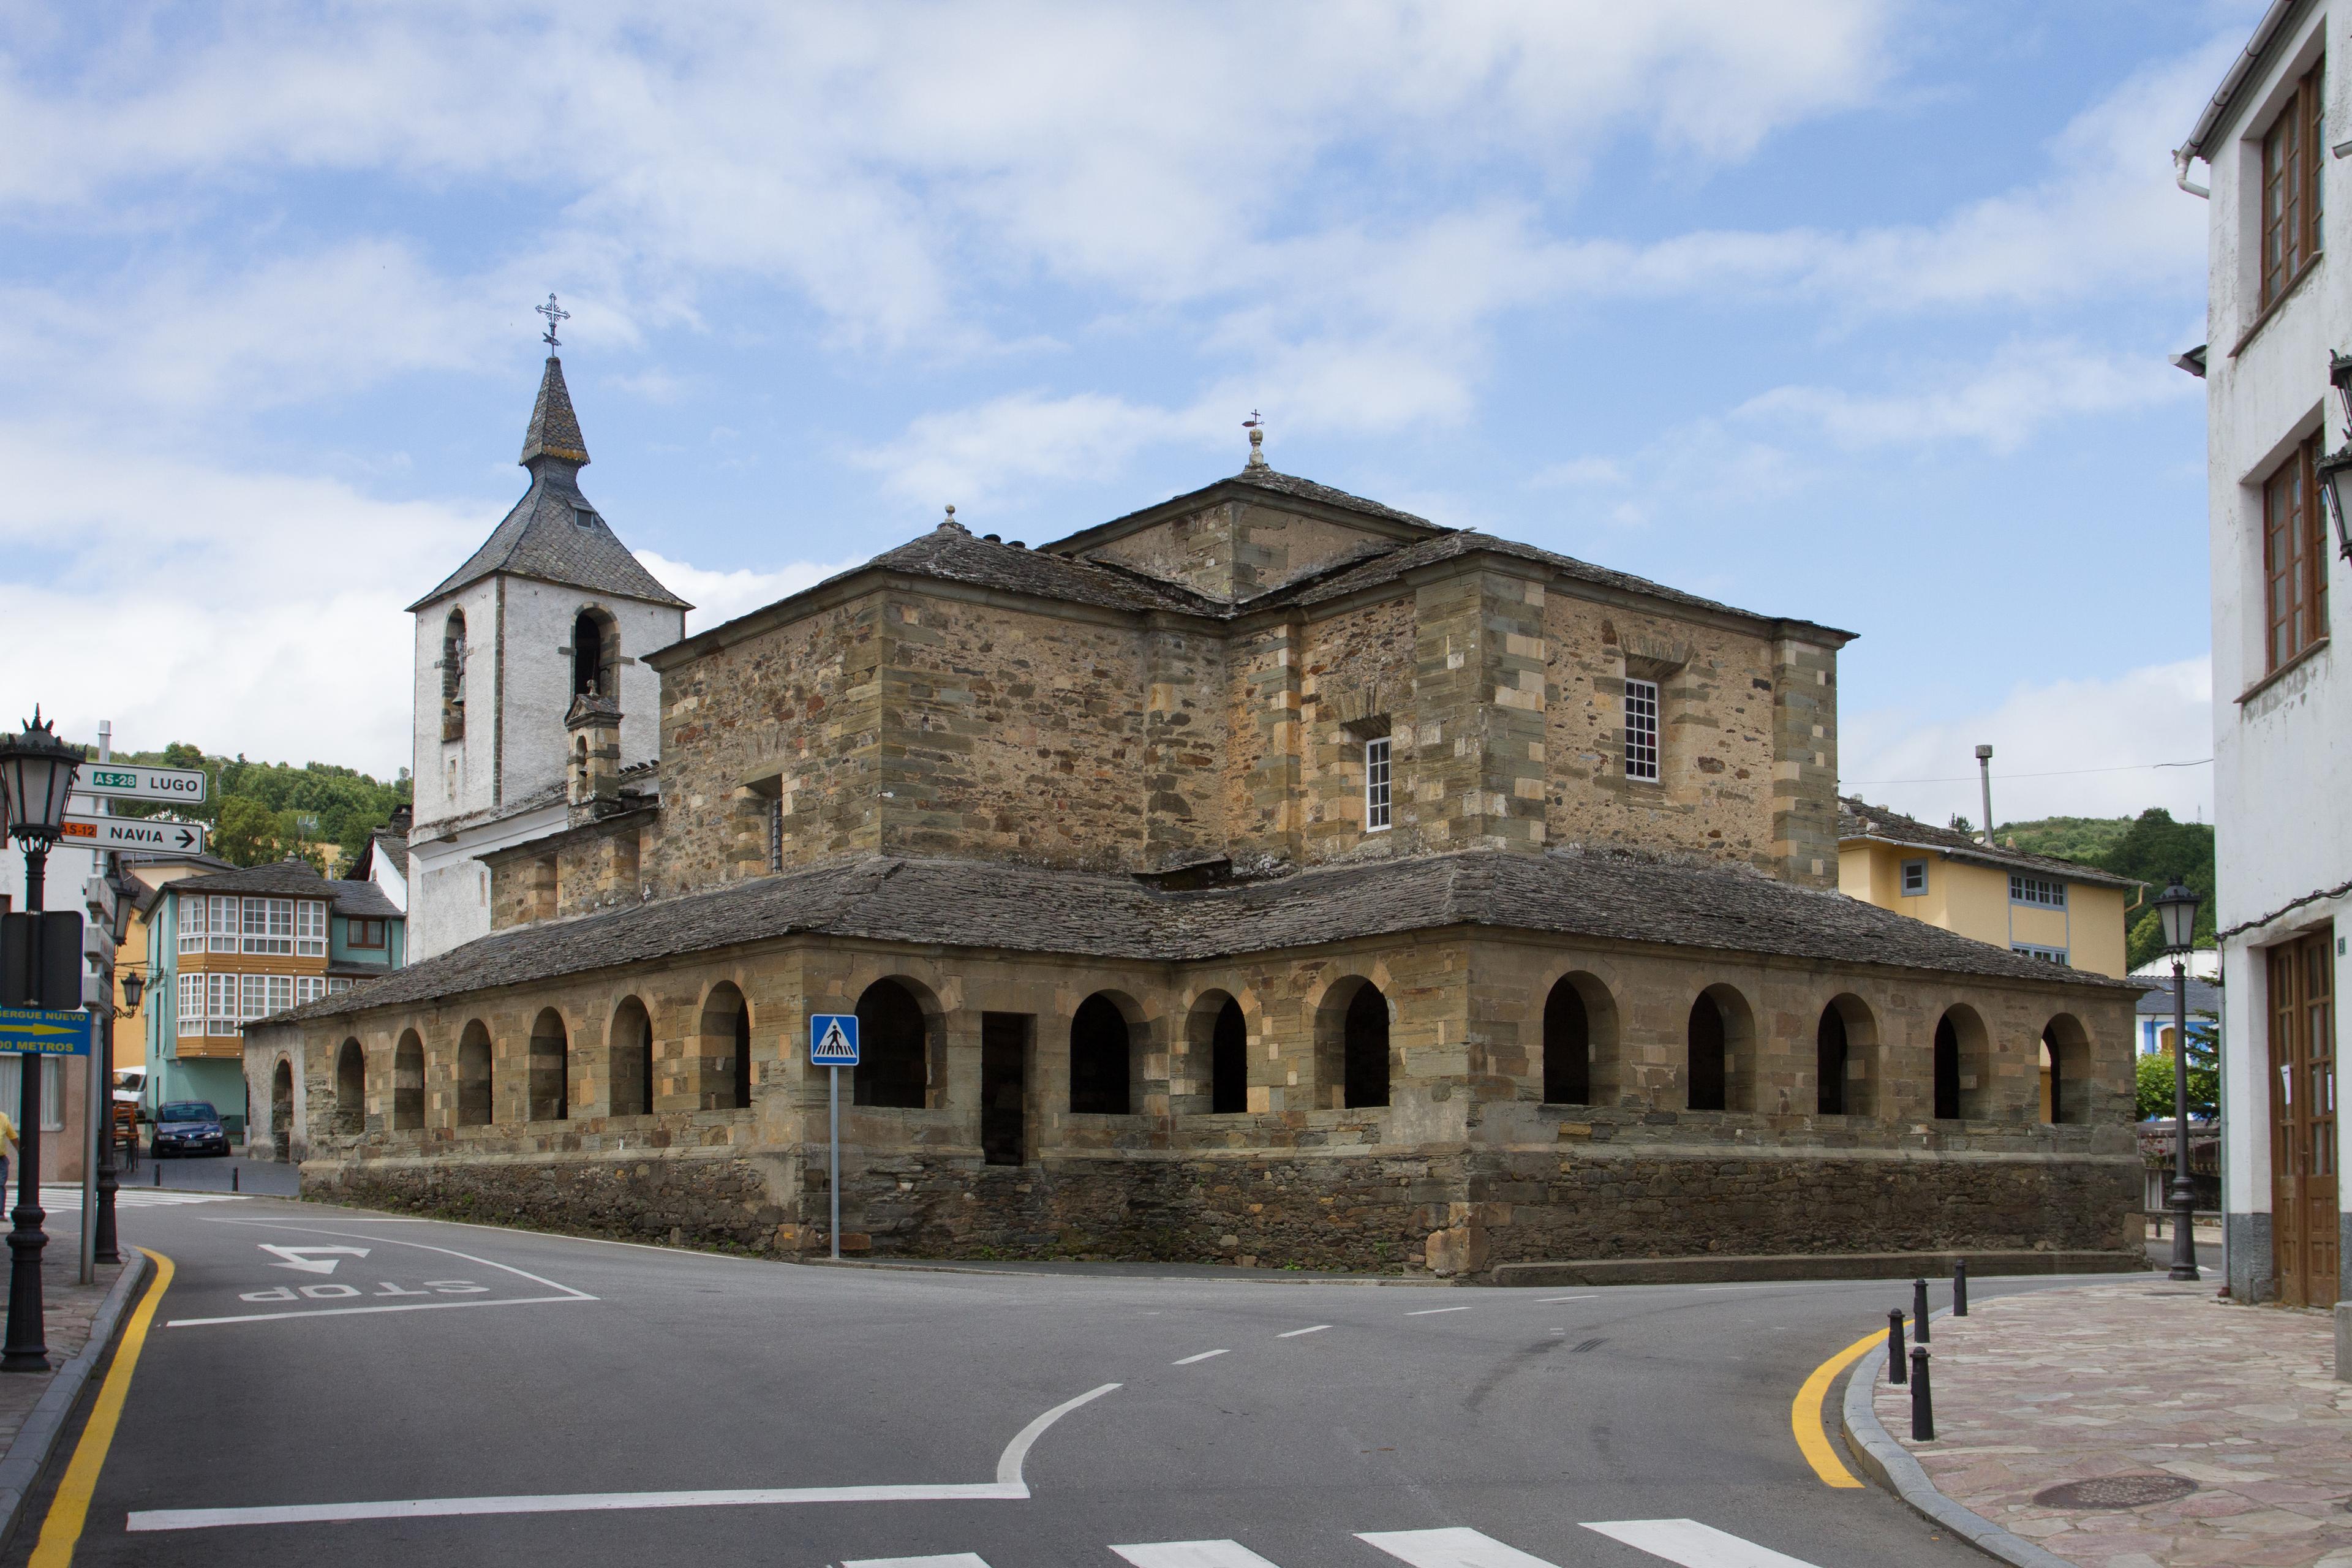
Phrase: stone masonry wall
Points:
(1236, 550)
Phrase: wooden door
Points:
(2302, 1120)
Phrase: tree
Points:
(2204, 1077)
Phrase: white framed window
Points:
(1642, 730)
(220, 1003)
(269, 926)
(191, 923)
(2042, 893)
(255, 1001)
(1914, 878)
(223, 925)
(2050, 954)
(310, 928)
(281, 993)
(308, 988)
(1376, 783)
(337, 984)
(192, 1012)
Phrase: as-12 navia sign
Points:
(135, 781)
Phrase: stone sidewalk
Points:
(67, 1309)
(2211, 1436)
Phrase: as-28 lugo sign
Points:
(136, 781)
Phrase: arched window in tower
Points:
(589, 655)
(453, 676)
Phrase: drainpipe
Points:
(2181, 158)
(1984, 775)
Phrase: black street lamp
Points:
(36, 774)
(2176, 907)
(2336, 468)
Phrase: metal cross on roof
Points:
(554, 316)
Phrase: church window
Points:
(1642, 730)
(1376, 785)
(595, 651)
(453, 676)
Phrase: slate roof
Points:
(365, 900)
(2204, 996)
(1859, 819)
(1279, 483)
(552, 533)
(952, 552)
(392, 847)
(963, 903)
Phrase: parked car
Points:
(189, 1127)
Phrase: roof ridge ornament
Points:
(1255, 425)
(555, 316)
(948, 524)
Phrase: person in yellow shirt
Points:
(7, 1151)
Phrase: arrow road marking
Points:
(311, 1260)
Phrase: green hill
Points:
(260, 812)
(2150, 847)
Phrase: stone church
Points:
(1267, 876)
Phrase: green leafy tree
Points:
(2204, 1077)
(2150, 847)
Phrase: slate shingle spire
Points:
(555, 429)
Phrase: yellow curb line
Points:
(69, 1510)
(1804, 1414)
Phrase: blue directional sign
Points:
(833, 1039)
(36, 1032)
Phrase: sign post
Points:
(833, 1045)
(131, 833)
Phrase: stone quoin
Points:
(1266, 876)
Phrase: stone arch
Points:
(596, 651)
(281, 1109)
(2066, 1070)
(1719, 1069)
(1216, 1036)
(1103, 1043)
(1846, 1058)
(350, 1089)
(453, 676)
(723, 1049)
(1352, 1049)
(1580, 1053)
(408, 1083)
(474, 1103)
(1962, 1065)
(547, 1077)
(900, 1029)
(629, 1071)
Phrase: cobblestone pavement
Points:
(2143, 1380)
(68, 1311)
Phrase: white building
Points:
(2272, 139)
(551, 605)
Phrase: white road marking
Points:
(1433, 1312)
(951, 1560)
(1693, 1545)
(1450, 1549)
(1554, 1300)
(1189, 1554)
(1007, 1487)
(1292, 1335)
(564, 1292)
(311, 1260)
(1189, 1359)
(67, 1200)
(359, 1311)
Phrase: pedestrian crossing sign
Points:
(833, 1039)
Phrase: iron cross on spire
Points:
(555, 317)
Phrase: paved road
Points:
(471, 1376)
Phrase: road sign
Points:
(131, 832)
(32, 1032)
(833, 1039)
(133, 781)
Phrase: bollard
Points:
(1919, 1311)
(1922, 1399)
(1960, 1288)
(1895, 1372)
(158, 1171)
(231, 1178)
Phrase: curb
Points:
(28, 1455)
(1891, 1466)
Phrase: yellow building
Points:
(2032, 904)
(131, 956)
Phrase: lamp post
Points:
(36, 774)
(2176, 907)
(134, 988)
(2336, 468)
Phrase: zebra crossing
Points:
(1683, 1541)
(67, 1200)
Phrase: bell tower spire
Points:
(554, 431)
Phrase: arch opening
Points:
(630, 1070)
(726, 1049)
(546, 1082)
(1229, 1061)
(1101, 1065)
(1364, 1049)
(453, 676)
(408, 1083)
(2066, 1070)
(474, 1076)
(350, 1089)
(1845, 1053)
(595, 653)
(893, 1040)
(281, 1109)
(1963, 1066)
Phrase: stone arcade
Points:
(1265, 875)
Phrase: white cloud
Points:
(968, 458)
(2002, 404)
(720, 596)
(2066, 748)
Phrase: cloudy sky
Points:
(1854, 309)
